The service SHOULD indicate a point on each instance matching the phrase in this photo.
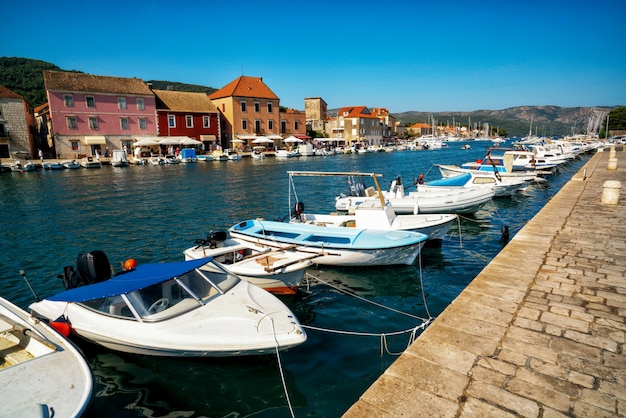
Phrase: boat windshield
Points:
(170, 298)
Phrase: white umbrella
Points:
(292, 139)
(190, 141)
(168, 140)
(146, 142)
(262, 140)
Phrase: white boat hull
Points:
(218, 329)
(42, 373)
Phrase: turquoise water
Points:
(152, 213)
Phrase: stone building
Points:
(18, 129)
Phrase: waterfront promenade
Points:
(540, 332)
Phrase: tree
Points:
(617, 119)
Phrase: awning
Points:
(95, 140)
(208, 138)
(302, 136)
(246, 136)
(274, 136)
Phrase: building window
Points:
(74, 145)
(257, 126)
(189, 121)
(206, 121)
(93, 123)
(121, 103)
(283, 126)
(270, 124)
(71, 122)
(140, 104)
(296, 125)
(257, 107)
(124, 124)
(171, 121)
(68, 100)
(270, 107)
(244, 124)
(143, 123)
(3, 132)
(243, 106)
(90, 101)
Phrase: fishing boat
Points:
(119, 159)
(70, 164)
(501, 186)
(458, 201)
(335, 246)
(275, 270)
(20, 166)
(41, 372)
(52, 165)
(178, 309)
(374, 214)
(90, 162)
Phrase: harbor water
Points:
(358, 320)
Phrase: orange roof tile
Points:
(244, 86)
(184, 101)
(356, 112)
(68, 81)
(5, 93)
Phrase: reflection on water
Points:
(152, 213)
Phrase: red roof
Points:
(245, 87)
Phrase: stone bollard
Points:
(612, 152)
(610, 192)
(612, 164)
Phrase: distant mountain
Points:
(24, 76)
(515, 121)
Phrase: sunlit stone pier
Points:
(540, 331)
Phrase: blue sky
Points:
(403, 55)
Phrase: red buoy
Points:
(130, 264)
(61, 327)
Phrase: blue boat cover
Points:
(141, 277)
(454, 181)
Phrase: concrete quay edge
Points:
(540, 332)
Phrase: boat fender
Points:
(62, 326)
(130, 264)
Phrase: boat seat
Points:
(370, 192)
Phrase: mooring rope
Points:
(280, 369)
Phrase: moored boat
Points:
(70, 164)
(178, 309)
(335, 246)
(41, 372)
(90, 162)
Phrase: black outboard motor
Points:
(91, 268)
(298, 210)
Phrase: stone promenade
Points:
(540, 332)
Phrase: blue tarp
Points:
(141, 277)
(455, 181)
(187, 153)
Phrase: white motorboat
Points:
(258, 153)
(41, 372)
(501, 186)
(205, 157)
(219, 155)
(157, 160)
(283, 153)
(90, 162)
(232, 154)
(119, 158)
(513, 160)
(275, 270)
(463, 200)
(20, 166)
(374, 214)
(182, 309)
(70, 164)
(454, 170)
(170, 159)
(52, 165)
(336, 246)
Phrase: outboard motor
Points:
(298, 210)
(91, 268)
(215, 237)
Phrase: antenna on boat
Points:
(23, 274)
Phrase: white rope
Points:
(280, 369)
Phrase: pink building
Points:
(98, 113)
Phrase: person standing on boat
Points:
(420, 179)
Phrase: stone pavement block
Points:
(582, 409)
(504, 399)
(591, 340)
(565, 346)
(473, 326)
(473, 309)
(475, 408)
(498, 365)
(548, 369)
(581, 379)
(614, 389)
(541, 395)
(547, 382)
(530, 350)
(446, 355)
(529, 336)
(528, 324)
(578, 364)
(565, 321)
(469, 296)
(464, 340)
(430, 377)
(599, 399)
(398, 399)
(490, 376)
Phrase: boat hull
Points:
(348, 247)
